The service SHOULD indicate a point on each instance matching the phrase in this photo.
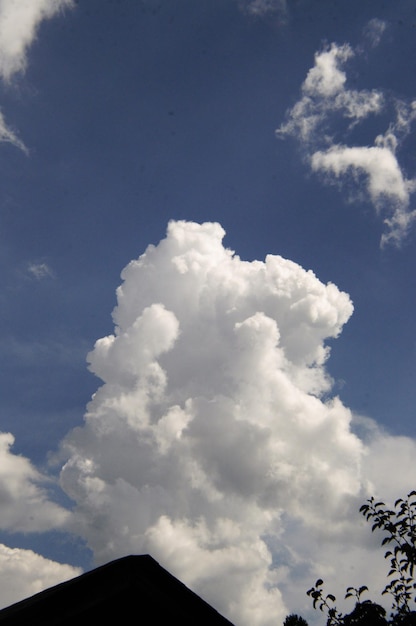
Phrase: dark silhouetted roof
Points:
(131, 590)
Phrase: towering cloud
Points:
(214, 443)
(323, 120)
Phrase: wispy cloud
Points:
(214, 442)
(19, 23)
(9, 136)
(325, 98)
(374, 31)
(317, 121)
(39, 271)
(262, 8)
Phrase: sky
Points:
(207, 248)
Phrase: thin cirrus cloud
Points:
(214, 442)
(19, 23)
(326, 105)
(7, 135)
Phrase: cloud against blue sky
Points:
(263, 8)
(375, 169)
(214, 441)
(215, 432)
(19, 23)
(255, 382)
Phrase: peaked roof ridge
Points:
(135, 583)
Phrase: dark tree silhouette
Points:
(367, 613)
(295, 620)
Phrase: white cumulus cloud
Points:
(24, 573)
(24, 501)
(214, 442)
(26, 507)
(318, 118)
(384, 181)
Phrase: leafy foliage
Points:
(399, 527)
(365, 613)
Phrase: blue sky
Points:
(119, 117)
